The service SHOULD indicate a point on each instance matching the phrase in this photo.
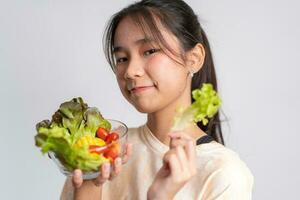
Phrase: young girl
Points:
(159, 54)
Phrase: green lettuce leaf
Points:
(205, 106)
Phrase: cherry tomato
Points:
(102, 133)
(112, 137)
(113, 152)
(98, 149)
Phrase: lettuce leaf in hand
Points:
(206, 105)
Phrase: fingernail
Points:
(106, 167)
(118, 161)
(76, 173)
(173, 134)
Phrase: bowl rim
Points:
(126, 128)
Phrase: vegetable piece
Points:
(206, 105)
(112, 137)
(98, 149)
(88, 141)
(94, 120)
(113, 152)
(102, 133)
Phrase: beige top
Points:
(221, 173)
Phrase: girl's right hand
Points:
(105, 171)
(179, 167)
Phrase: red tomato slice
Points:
(102, 133)
(112, 137)
(113, 151)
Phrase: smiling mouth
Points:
(140, 89)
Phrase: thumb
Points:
(77, 178)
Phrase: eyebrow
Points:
(137, 42)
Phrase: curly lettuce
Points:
(206, 105)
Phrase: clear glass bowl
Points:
(116, 126)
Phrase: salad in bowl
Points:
(78, 137)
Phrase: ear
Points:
(195, 58)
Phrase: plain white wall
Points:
(50, 51)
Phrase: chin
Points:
(144, 109)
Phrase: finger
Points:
(104, 174)
(187, 157)
(77, 178)
(190, 149)
(179, 134)
(177, 142)
(127, 154)
(188, 145)
(173, 137)
(164, 171)
(174, 165)
(182, 158)
(167, 156)
(178, 138)
(117, 166)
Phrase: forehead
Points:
(128, 32)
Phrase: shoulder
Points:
(225, 172)
(215, 156)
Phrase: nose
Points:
(134, 69)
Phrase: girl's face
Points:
(149, 78)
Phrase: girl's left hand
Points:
(179, 166)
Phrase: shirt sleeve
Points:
(231, 182)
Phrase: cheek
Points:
(123, 88)
(166, 72)
(120, 71)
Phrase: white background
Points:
(50, 51)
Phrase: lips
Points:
(138, 89)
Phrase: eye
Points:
(121, 60)
(150, 51)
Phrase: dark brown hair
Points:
(177, 17)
